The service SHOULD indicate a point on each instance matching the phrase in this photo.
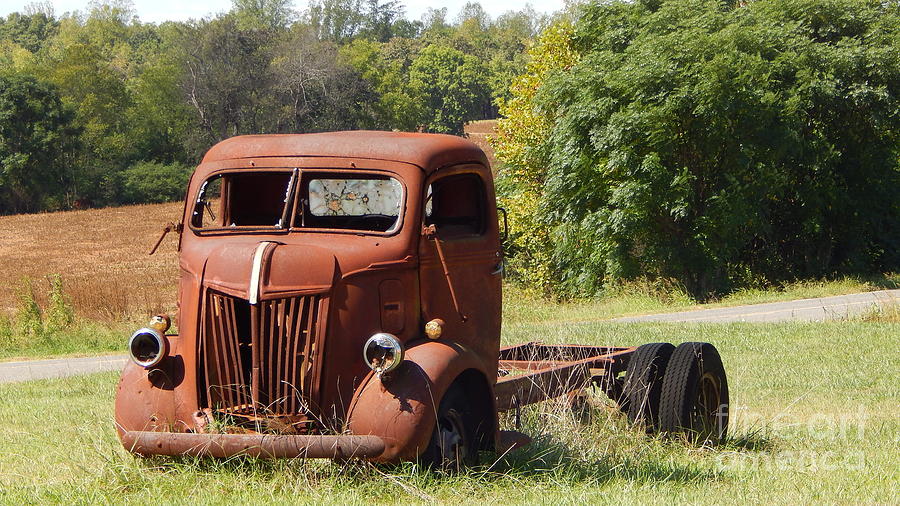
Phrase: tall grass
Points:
(47, 325)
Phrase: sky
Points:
(157, 11)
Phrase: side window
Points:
(248, 199)
(455, 206)
(208, 208)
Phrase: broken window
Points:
(455, 206)
(357, 203)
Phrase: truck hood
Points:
(269, 270)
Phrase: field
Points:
(814, 420)
(101, 255)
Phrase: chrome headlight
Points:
(383, 353)
(147, 347)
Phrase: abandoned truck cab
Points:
(340, 296)
(319, 304)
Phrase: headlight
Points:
(383, 353)
(147, 347)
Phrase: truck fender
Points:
(146, 400)
(401, 406)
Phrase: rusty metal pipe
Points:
(254, 445)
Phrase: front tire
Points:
(454, 442)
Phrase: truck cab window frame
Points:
(279, 201)
(455, 205)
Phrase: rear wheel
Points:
(453, 444)
(694, 397)
(643, 383)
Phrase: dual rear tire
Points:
(678, 390)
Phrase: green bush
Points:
(29, 320)
(719, 144)
(59, 314)
(32, 323)
(150, 182)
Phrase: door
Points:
(463, 290)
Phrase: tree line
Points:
(99, 108)
(717, 144)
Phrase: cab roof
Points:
(430, 152)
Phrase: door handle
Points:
(498, 269)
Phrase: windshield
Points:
(290, 200)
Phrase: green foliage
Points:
(29, 317)
(32, 324)
(263, 14)
(154, 182)
(59, 314)
(520, 133)
(719, 145)
(36, 139)
(29, 31)
(449, 86)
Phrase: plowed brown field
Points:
(101, 255)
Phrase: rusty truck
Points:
(340, 297)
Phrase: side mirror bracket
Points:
(170, 227)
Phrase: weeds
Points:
(51, 327)
(888, 311)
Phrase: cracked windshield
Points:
(360, 203)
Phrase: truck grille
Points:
(259, 361)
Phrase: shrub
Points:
(152, 182)
(59, 314)
(29, 317)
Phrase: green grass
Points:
(639, 298)
(82, 337)
(814, 420)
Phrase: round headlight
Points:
(383, 353)
(147, 347)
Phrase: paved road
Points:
(59, 367)
(825, 308)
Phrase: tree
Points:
(227, 81)
(28, 31)
(335, 20)
(263, 14)
(450, 86)
(381, 18)
(318, 91)
(521, 133)
(386, 68)
(720, 145)
(37, 141)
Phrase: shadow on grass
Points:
(548, 457)
(604, 449)
(752, 440)
(885, 282)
